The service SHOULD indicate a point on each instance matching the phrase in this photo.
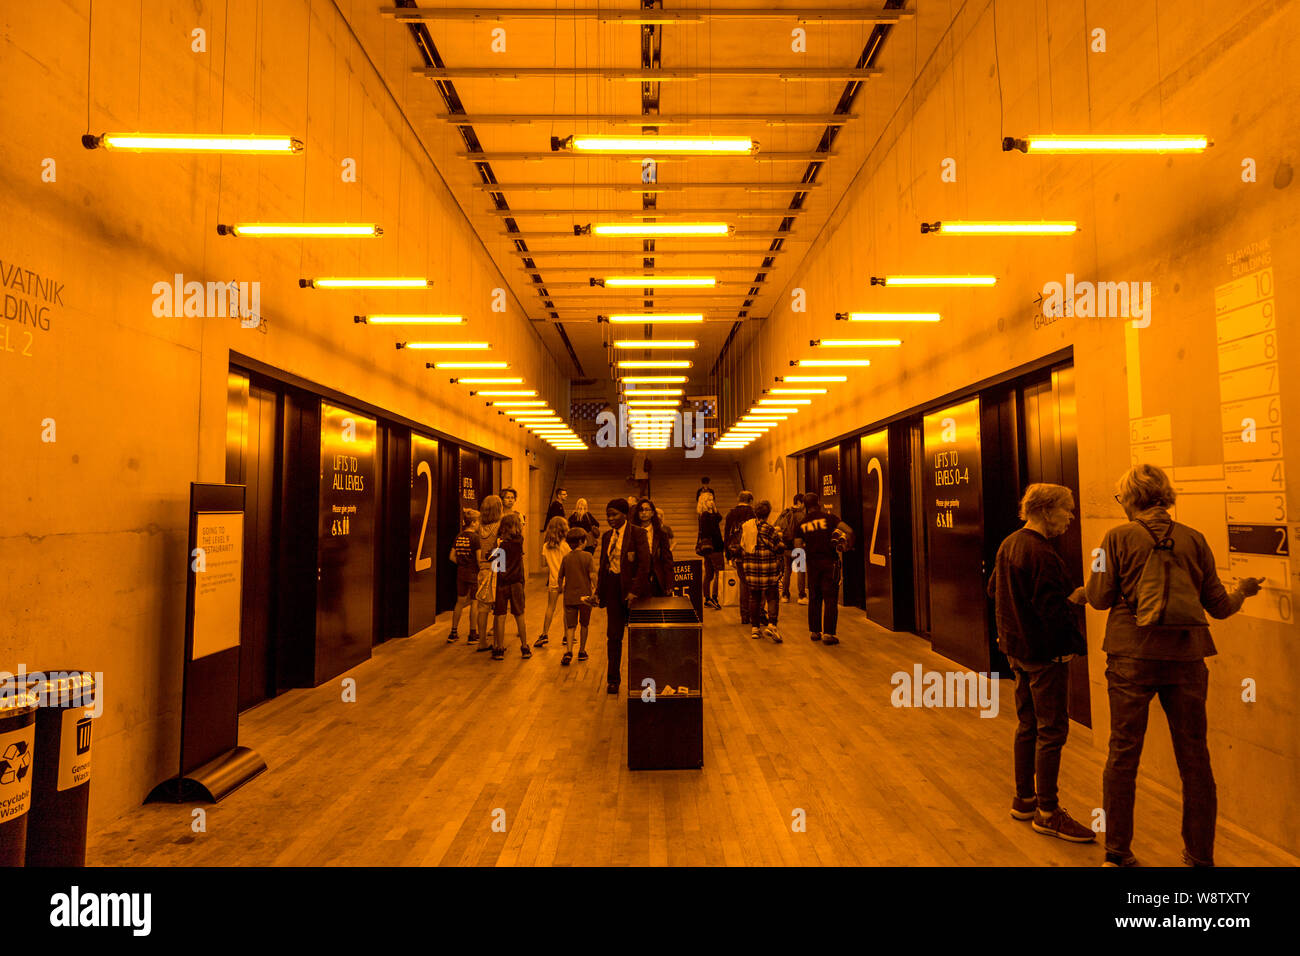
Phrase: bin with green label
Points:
(56, 826)
(17, 743)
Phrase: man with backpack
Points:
(787, 523)
(1156, 577)
(735, 520)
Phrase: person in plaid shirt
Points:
(763, 562)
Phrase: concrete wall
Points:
(1186, 224)
(93, 526)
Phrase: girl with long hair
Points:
(489, 523)
(510, 588)
(646, 515)
(554, 548)
(588, 522)
(709, 547)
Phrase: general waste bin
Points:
(56, 824)
(17, 744)
(664, 645)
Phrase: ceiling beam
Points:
(755, 187)
(648, 16)
(635, 119)
(807, 73)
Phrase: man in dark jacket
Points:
(736, 517)
(624, 576)
(1038, 630)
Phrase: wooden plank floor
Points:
(442, 741)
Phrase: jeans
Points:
(743, 599)
(789, 574)
(1181, 687)
(770, 595)
(1042, 704)
(823, 596)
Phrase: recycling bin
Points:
(17, 743)
(665, 730)
(56, 822)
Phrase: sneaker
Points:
(452, 637)
(755, 633)
(497, 655)
(525, 652)
(815, 636)
(1189, 860)
(803, 600)
(1023, 809)
(568, 656)
(830, 639)
(541, 641)
(774, 634)
(1114, 859)
(1061, 825)
(582, 656)
(472, 639)
(485, 646)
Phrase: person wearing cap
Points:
(623, 577)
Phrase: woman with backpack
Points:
(1157, 578)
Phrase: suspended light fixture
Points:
(653, 145)
(918, 282)
(830, 363)
(467, 365)
(1159, 143)
(409, 319)
(785, 401)
(652, 403)
(796, 391)
(656, 344)
(304, 230)
(364, 283)
(519, 404)
(855, 343)
(654, 230)
(653, 379)
(652, 392)
(487, 381)
(1000, 228)
(887, 316)
(681, 318)
(812, 378)
(655, 363)
(521, 393)
(188, 143)
(656, 282)
(446, 346)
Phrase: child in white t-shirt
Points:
(554, 548)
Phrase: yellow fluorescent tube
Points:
(471, 365)
(651, 230)
(791, 391)
(652, 392)
(653, 402)
(319, 230)
(679, 319)
(893, 316)
(919, 282)
(450, 346)
(858, 343)
(655, 363)
(1117, 144)
(507, 393)
(188, 143)
(785, 401)
(412, 319)
(664, 144)
(490, 381)
(660, 282)
(1003, 228)
(653, 379)
(656, 344)
(536, 404)
(832, 363)
(365, 283)
(813, 378)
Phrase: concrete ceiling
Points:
(529, 231)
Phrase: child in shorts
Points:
(577, 583)
(510, 588)
(464, 551)
(554, 547)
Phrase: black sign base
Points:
(212, 782)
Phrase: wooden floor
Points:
(441, 740)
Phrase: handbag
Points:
(703, 546)
(487, 586)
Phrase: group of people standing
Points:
(1156, 578)
(805, 543)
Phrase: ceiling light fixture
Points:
(1108, 144)
(653, 379)
(188, 143)
(855, 343)
(311, 230)
(656, 344)
(458, 365)
(363, 283)
(650, 145)
(1001, 228)
(446, 346)
(918, 282)
(655, 363)
(652, 319)
(830, 363)
(654, 230)
(887, 316)
(657, 282)
(409, 319)
(812, 378)
(487, 381)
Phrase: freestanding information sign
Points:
(212, 764)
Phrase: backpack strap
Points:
(1161, 544)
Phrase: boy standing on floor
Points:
(824, 537)
(510, 588)
(577, 583)
(464, 551)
